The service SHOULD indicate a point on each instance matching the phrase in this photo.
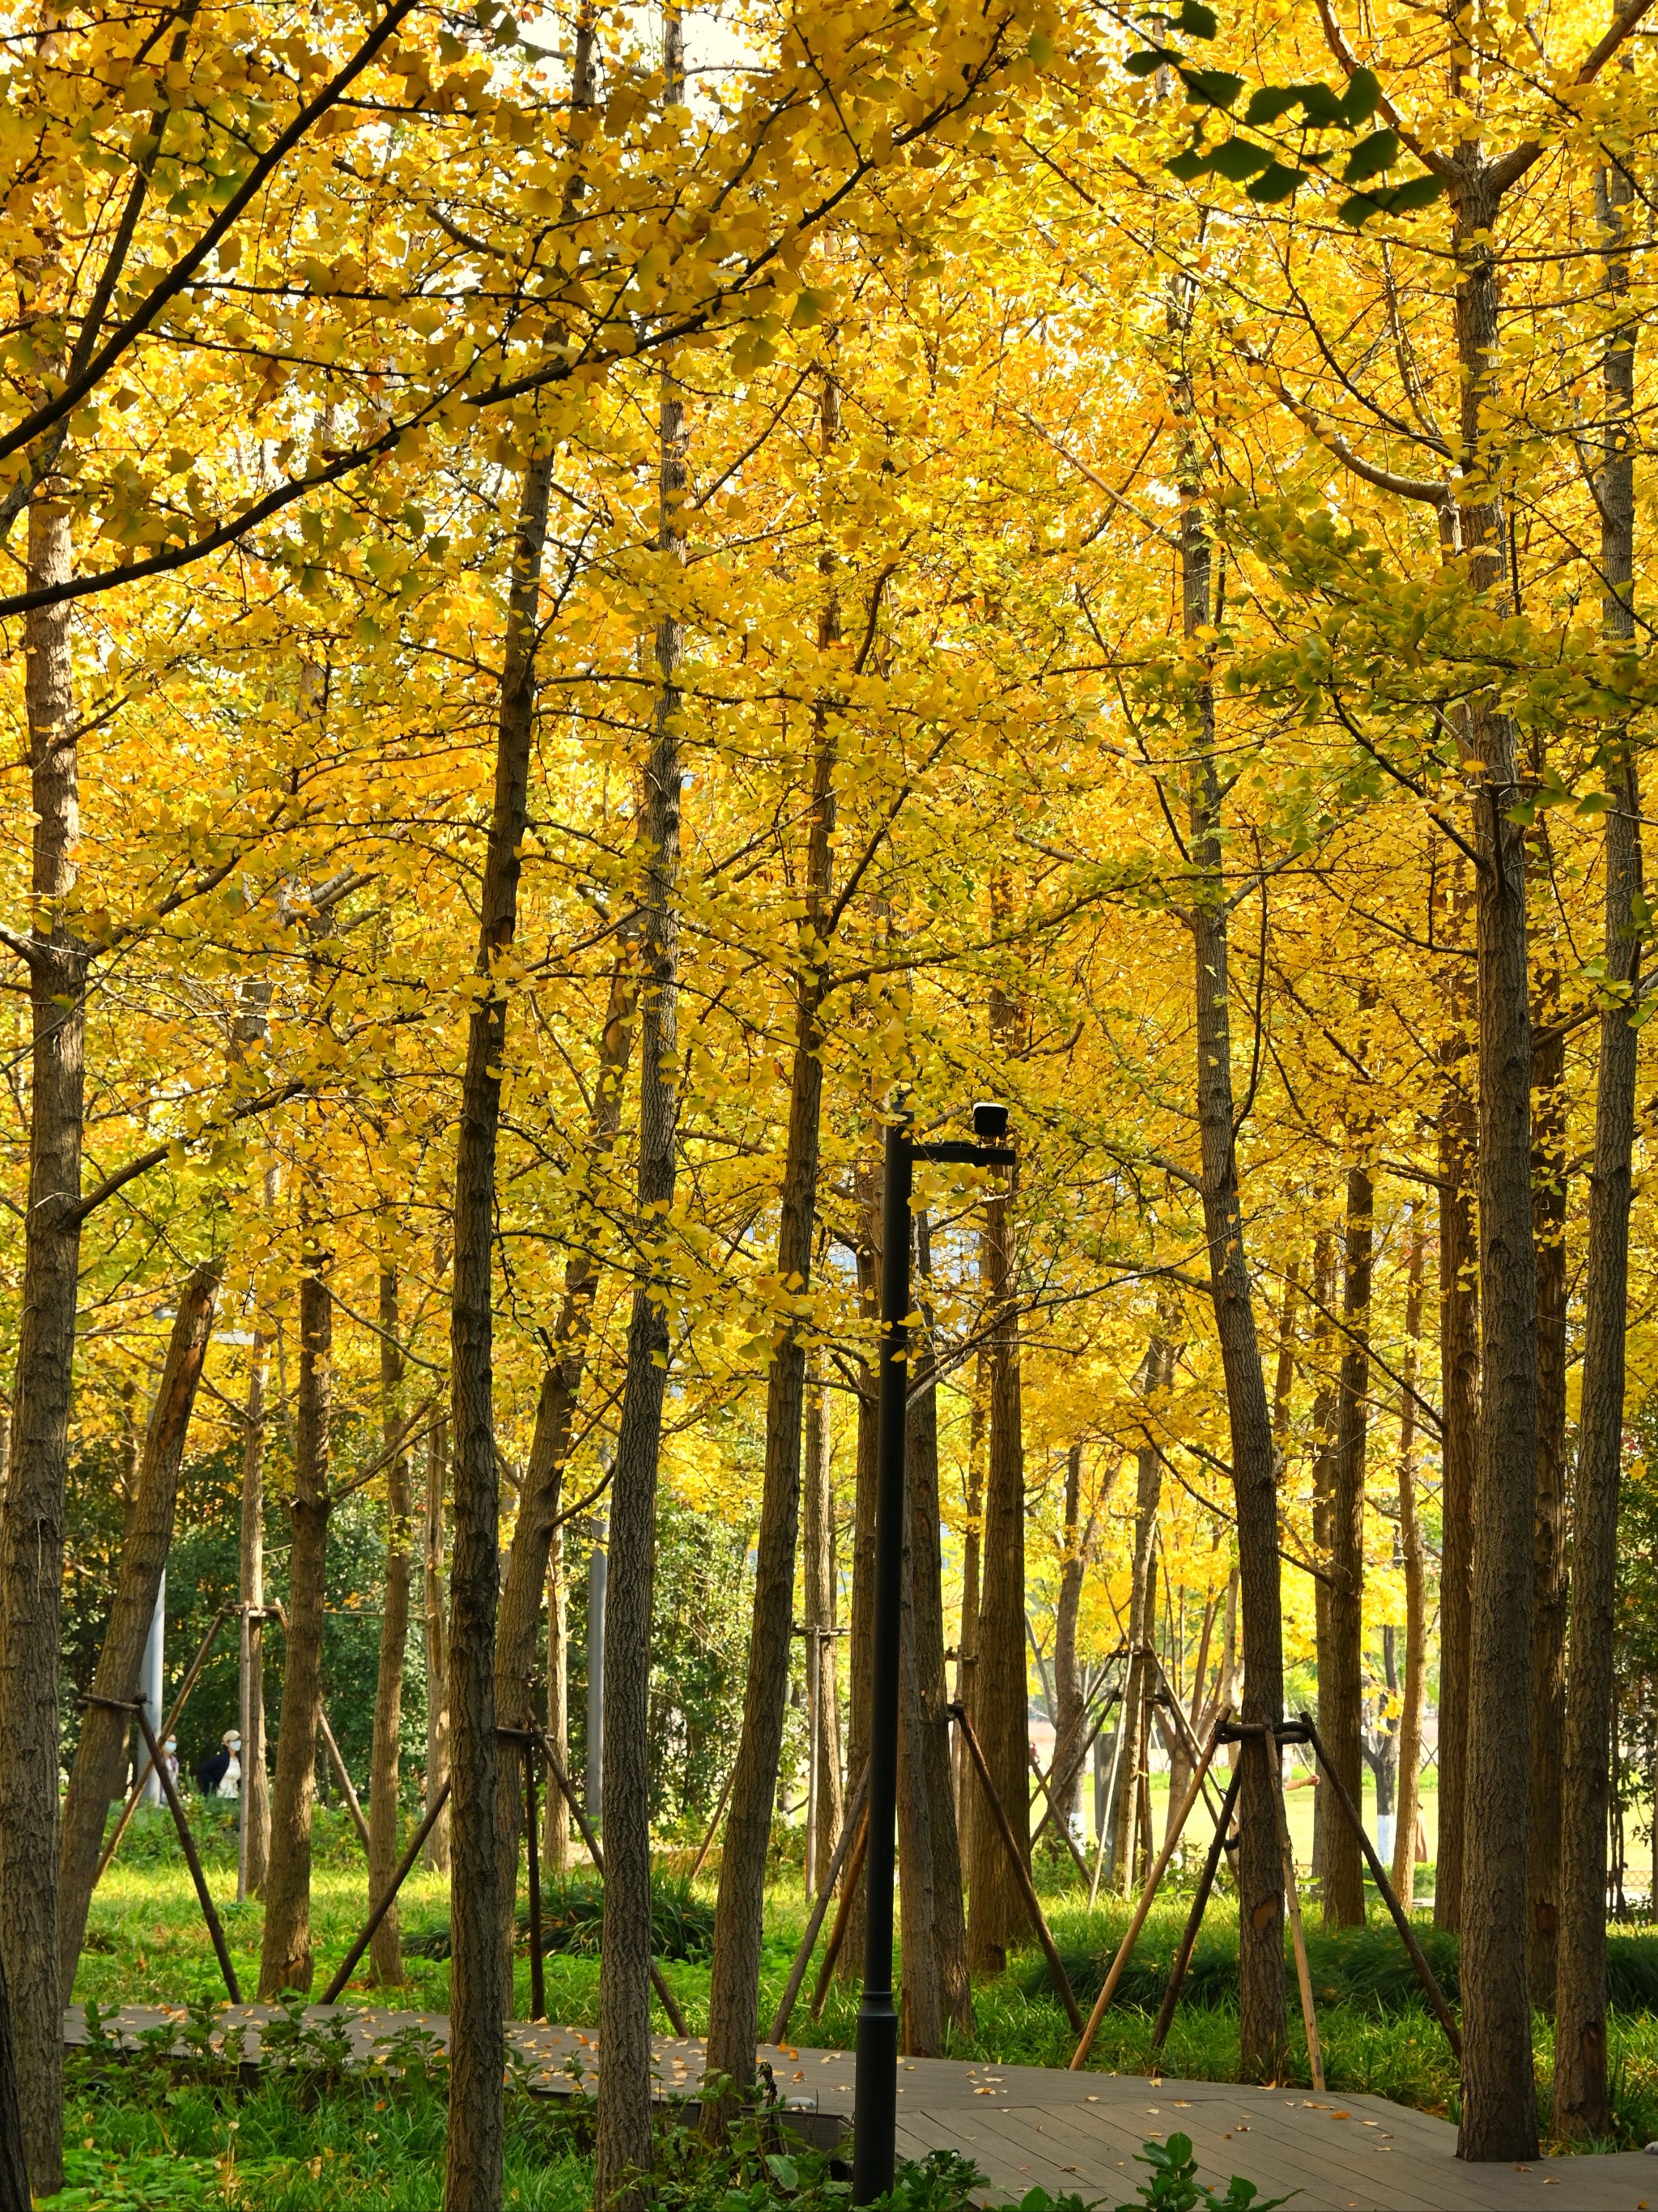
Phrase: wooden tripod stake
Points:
(1270, 1753)
(1021, 1872)
(780, 2026)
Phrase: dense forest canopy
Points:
(596, 606)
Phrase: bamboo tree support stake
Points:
(706, 1843)
(348, 1964)
(343, 1777)
(780, 2026)
(169, 1726)
(555, 1767)
(170, 1791)
(843, 1914)
(1435, 1995)
(1064, 1826)
(533, 1855)
(1273, 1757)
(1021, 1872)
(1102, 1842)
(1175, 1706)
(1194, 1918)
(1125, 1949)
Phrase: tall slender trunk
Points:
(1500, 2117)
(927, 1761)
(967, 1648)
(734, 1986)
(1458, 1398)
(1580, 2100)
(101, 1758)
(1067, 1675)
(472, 2170)
(434, 1637)
(32, 1529)
(817, 1542)
(386, 1950)
(1261, 2022)
(623, 2146)
(867, 1181)
(1548, 1692)
(1344, 1873)
(1132, 1760)
(254, 1855)
(997, 1918)
(1326, 1440)
(285, 1960)
(1416, 1590)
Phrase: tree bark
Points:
(966, 1647)
(944, 1931)
(734, 1986)
(1067, 1675)
(472, 2171)
(997, 1917)
(434, 1634)
(255, 1853)
(1344, 1871)
(1261, 2021)
(868, 1179)
(1548, 1680)
(100, 1759)
(1416, 1589)
(817, 1515)
(32, 1530)
(623, 2143)
(385, 1949)
(1325, 1450)
(1582, 2105)
(285, 1960)
(1132, 1760)
(1458, 1399)
(1500, 2117)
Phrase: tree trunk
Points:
(1458, 1399)
(1067, 1675)
(1326, 1447)
(1132, 1760)
(1548, 1699)
(1261, 2022)
(555, 1827)
(1416, 1592)
(1499, 2117)
(477, 2015)
(944, 1930)
(434, 1633)
(867, 1180)
(285, 1961)
(32, 1531)
(966, 1647)
(385, 1949)
(734, 1987)
(817, 1535)
(1580, 2098)
(997, 1918)
(99, 1760)
(623, 2143)
(1344, 1872)
(255, 1853)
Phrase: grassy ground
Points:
(146, 1943)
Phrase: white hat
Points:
(231, 1735)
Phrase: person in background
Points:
(215, 1772)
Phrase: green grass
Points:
(146, 1944)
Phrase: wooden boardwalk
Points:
(1027, 2126)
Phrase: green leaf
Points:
(1363, 98)
(1218, 87)
(1371, 156)
(1357, 210)
(1321, 106)
(1416, 193)
(784, 2170)
(1239, 160)
(1190, 166)
(1195, 20)
(1146, 64)
(1270, 102)
(1276, 182)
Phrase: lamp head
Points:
(990, 1121)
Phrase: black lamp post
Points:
(875, 2124)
